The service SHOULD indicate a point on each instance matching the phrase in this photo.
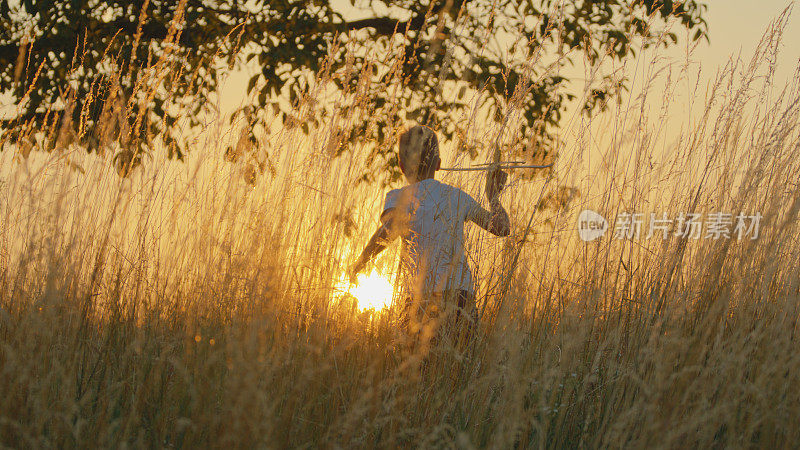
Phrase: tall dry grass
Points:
(181, 306)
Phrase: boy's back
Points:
(430, 218)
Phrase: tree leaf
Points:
(252, 83)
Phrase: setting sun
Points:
(373, 291)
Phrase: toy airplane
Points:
(497, 165)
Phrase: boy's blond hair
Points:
(418, 150)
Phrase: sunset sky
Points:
(737, 25)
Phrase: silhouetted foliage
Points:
(448, 50)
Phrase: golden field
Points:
(183, 306)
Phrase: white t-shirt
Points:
(432, 215)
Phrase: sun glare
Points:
(373, 291)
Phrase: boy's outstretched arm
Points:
(379, 241)
(495, 220)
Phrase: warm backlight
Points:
(373, 291)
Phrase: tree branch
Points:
(383, 25)
(387, 26)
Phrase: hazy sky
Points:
(737, 25)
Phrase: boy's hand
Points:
(495, 182)
(354, 270)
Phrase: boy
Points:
(429, 216)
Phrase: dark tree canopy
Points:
(447, 49)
